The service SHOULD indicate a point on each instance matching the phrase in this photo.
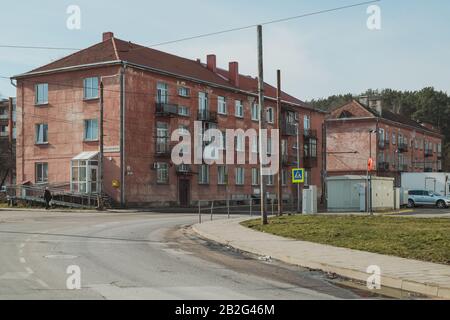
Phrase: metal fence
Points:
(248, 206)
(61, 197)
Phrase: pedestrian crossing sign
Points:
(298, 176)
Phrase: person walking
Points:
(47, 197)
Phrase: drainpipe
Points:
(122, 135)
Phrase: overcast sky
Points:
(319, 55)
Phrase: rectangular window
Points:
(162, 92)
(42, 133)
(306, 122)
(184, 92)
(255, 177)
(239, 109)
(255, 146)
(240, 176)
(203, 174)
(255, 112)
(284, 177)
(394, 140)
(221, 105)
(270, 117)
(203, 102)
(41, 172)
(41, 93)
(240, 143)
(183, 111)
(91, 130)
(269, 146)
(162, 173)
(270, 180)
(221, 175)
(90, 88)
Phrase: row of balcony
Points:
(164, 150)
(386, 167)
(403, 148)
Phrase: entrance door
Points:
(184, 192)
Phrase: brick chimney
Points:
(107, 36)
(233, 71)
(211, 62)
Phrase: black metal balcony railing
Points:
(310, 133)
(163, 147)
(428, 153)
(383, 166)
(166, 109)
(183, 169)
(402, 147)
(288, 129)
(288, 161)
(310, 162)
(207, 116)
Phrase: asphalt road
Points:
(138, 256)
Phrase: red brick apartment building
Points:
(147, 95)
(7, 141)
(401, 145)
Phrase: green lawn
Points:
(413, 238)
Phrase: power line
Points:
(305, 15)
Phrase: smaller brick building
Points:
(363, 129)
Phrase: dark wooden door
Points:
(184, 192)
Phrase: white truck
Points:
(438, 182)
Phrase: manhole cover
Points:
(61, 256)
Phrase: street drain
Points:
(61, 256)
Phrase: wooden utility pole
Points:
(100, 157)
(280, 149)
(261, 125)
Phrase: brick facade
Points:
(67, 110)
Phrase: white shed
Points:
(348, 193)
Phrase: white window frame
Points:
(41, 132)
(41, 93)
(184, 92)
(95, 134)
(270, 115)
(222, 105)
(162, 93)
(162, 173)
(203, 174)
(255, 112)
(255, 177)
(240, 176)
(90, 88)
(239, 109)
(43, 172)
(183, 111)
(221, 175)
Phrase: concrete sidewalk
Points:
(409, 275)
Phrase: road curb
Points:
(389, 282)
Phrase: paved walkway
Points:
(410, 275)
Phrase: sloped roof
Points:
(115, 50)
(391, 116)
